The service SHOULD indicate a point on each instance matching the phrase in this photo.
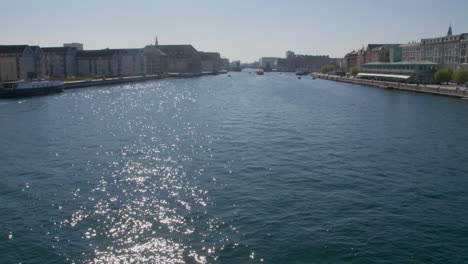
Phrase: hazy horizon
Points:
(239, 31)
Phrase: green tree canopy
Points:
(460, 76)
(355, 70)
(327, 68)
(443, 75)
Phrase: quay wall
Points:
(129, 79)
(440, 90)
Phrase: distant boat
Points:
(24, 89)
(260, 72)
(302, 72)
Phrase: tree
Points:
(443, 75)
(460, 76)
(355, 70)
(450, 71)
(327, 68)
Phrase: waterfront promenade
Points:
(442, 90)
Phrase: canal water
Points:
(240, 169)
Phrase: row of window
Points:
(41, 85)
(439, 40)
(399, 67)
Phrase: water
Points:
(247, 169)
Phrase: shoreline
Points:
(129, 79)
(439, 90)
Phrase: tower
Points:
(156, 41)
(449, 33)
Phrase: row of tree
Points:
(446, 75)
(327, 68)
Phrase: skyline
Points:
(239, 31)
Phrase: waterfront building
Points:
(405, 71)
(182, 58)
(378, 52)
(121, 62)
(310, 63)
(154, 60)
(354, 59)
(130, 62)
(60, 62)
(236, 65)
(464, 53)
(77, 46)
(267, 63)
(20, 62)
(39, 62)
(339, 64)
(282, 65)
(351, 60)
(225, 64)
(96, 62)
(290, 54)
(372, 53)
(446, 50)
(210, 61)
(411, 52)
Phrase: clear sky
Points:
(238, 29)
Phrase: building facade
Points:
(411, 52)
(155, 61)
(21, 62)
(407, 71)
(182, 58)
(77, 46)
(225, 64)
(445, 50)
(211, 61)
(121, 62)
(60, 62)
(267, 63)
(97, 62)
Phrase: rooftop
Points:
(57, 49)
(12, 48)
(177, 49)
(95, 53)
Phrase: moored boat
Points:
(260, 72)
(34, 88)
(301, 72)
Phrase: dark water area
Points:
(241, 169)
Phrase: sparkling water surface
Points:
(241, 169)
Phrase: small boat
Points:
(314, 78)
(299, 77)
(24, 89)
(302, 72)
(260, 72)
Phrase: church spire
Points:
(449, 33)
(156, 41)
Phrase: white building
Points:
(267, 62)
